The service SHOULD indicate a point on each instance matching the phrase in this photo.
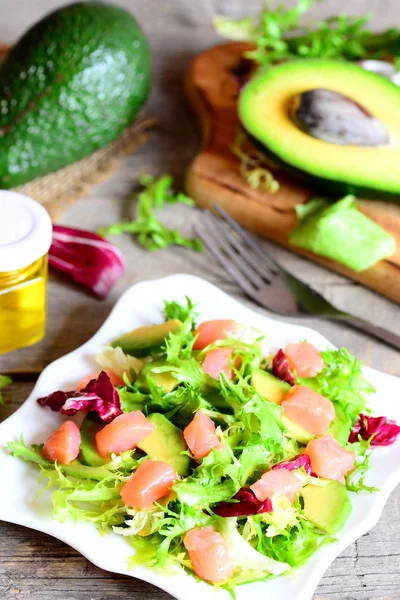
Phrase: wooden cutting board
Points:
(214, 175)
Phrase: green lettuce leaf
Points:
(174, 310)
(342, 382)
(355, 480)
(295, 545)
(250, 564)
(75, 469)
(341, 232)
(201, 497)
(81, 492)
(260, 420)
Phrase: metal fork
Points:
(266, 282)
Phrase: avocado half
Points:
(266, 111)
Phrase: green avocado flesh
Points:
(341, 232)
(164, 380)
(69, 86)
(145, 340)
(273, 389)
(295, 431)
(166, 443)
(266, 112)
(89, 454)
(268, 386)
(328, 507)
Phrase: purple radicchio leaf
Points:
(384, 431)
(301, 460)
(98, 396)
(246, 505)
(87, 258)
(280, 367)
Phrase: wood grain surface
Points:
(34, 566)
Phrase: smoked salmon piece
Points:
(304, 359)
(64, 444)
(116, 380)
(151, 481)
(200, 435)
(123, 433)
(211, 331)
(329, 459)
(308, 409)
(208, 554)
(280, 482)
(218, 361)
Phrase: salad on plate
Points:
(209, 451)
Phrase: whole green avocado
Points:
(70, 85)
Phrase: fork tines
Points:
(248, 264)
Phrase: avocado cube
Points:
(328, 507)
(166, 443)
(295, 431)
(145, 340)
(268, 386)
(88, 454)
(164, 380)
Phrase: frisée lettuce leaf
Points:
(342, 381)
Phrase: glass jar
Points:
(25, 239)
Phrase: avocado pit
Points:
(336, 118)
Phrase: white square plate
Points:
(141, 305)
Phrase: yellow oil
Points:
(23, 306)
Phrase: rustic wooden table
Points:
(33, 565)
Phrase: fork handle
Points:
(388, 337)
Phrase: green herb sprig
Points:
(147, 227)
(279, 35)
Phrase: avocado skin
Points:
(89, 455)
(329, 187)
(70, 85)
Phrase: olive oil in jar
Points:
(25, 238)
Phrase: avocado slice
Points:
(70, 85)
(295, 431)
(328, 507)
(145, 340)
(267, 108)
(268, 386)
(89, 455)
(164, 380)
(166, 443)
